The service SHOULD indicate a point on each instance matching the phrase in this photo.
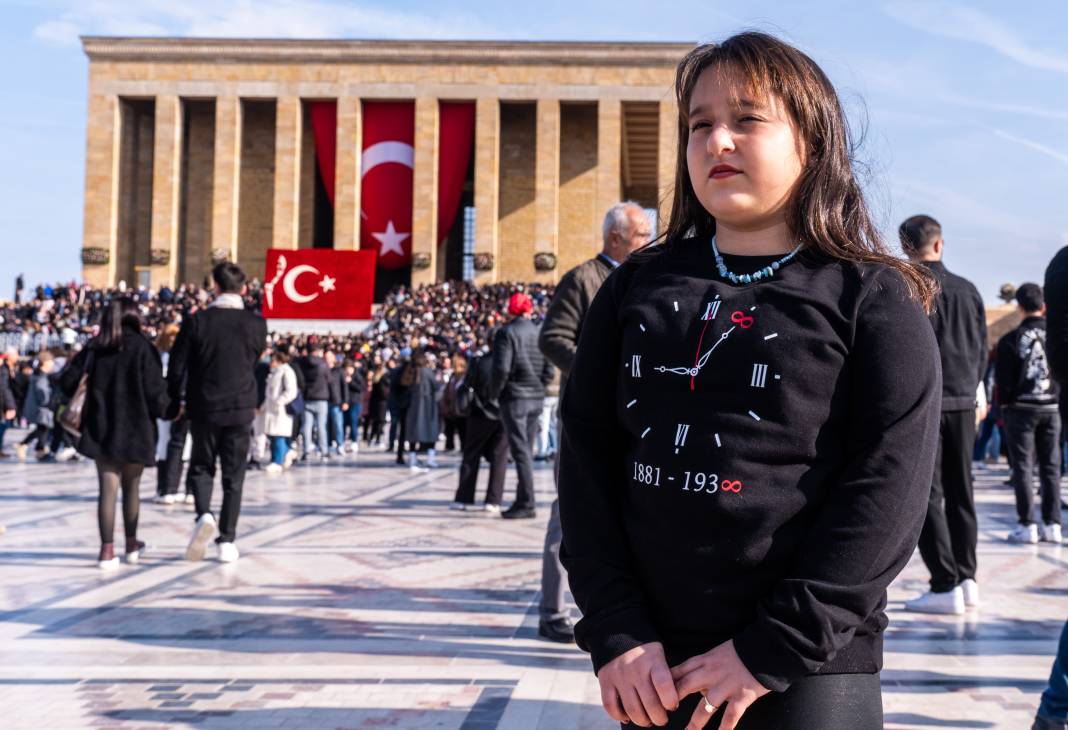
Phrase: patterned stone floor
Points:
(360, 601)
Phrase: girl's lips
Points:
(720, 172)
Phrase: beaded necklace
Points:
(766, 273)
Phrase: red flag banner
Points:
(386, 173)
(457, 136)
(318, 283)
(324, 129)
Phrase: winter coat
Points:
(422, 424)
(281, 391)
(316, 378)
(36, 410)
(126, 394)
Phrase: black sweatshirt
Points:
(1056, 295)
(771, 497)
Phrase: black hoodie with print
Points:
(747, 462)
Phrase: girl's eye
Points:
(749, 118)
(698, 125)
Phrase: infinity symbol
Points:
(742, 319)
(728, 486)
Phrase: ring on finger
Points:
(709, 707)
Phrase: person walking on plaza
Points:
(750, 421)
(625, 230)
(484, 438)
(169, 469)
(455, 424)
(337, 402)
(949, 538)
(520, 376)
(125, 394)
(37, 410)
(316, 402)
(353, 391)
(1029, 396)
(8, 401)
(277, 420)
(211, 373)
(422, 422)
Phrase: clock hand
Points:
(676, 371)
(704, 358)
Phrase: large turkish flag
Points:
(386, 172)
(318, 283)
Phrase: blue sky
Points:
(966, 102)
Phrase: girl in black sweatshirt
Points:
(751, 421)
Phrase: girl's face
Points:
(744, 153)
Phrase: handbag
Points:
(295, 407)
(71, 416)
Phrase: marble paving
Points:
(361, 601)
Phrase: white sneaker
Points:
(66, 454)
(111, 564)
(1051, 533)
(273, 468)
(291, 456)
(189, 499)
(202, 534)
(166, 498)
(227, 552)
(951, 602)
(20, 452)
(493, 509)
(971, 593)
(1026, 534)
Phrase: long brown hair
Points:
(827, 209)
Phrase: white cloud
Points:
(955, 20)
(1031, 144)
(262, 19)
(1015, 109)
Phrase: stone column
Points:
(487, 182)
(101, 224)
(347, 175)
(666, 151)
(425, 190)
(166, 183)
(609, 163)
(547, 183)
(226, 182)
(287, 173)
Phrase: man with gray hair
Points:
(626, 229)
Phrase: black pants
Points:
(950, 532)
(454, 430)
(169, 471)
(41, 434)
(823, 702)
(1035, 435)
(228, 444)
(484, 438)
(402, 433)
(520, 418)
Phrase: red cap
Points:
(520, 304)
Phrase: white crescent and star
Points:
(289, 283)
(381, 153)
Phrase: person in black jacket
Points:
(520, 375)
(1030, 396)
(950, 530)
(211, 375)
(316, 402)
(484, 439)
(8, 402)
(353, 387)
(126, 394)
(337, 403)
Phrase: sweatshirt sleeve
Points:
(558, 339)
(592, 475)
(1006, 371)
(865, 531)
(1056, 293)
